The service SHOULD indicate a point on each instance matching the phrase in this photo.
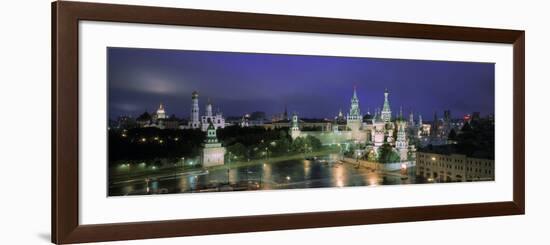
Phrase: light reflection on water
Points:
(283, 175)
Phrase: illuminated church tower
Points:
(401, 144)
(194, 121)
(213, 153)
(209, 117)
(354, 118)
(294, 129)
(411, 120)
(386, 110)
(208, 109)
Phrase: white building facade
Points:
(216, 119)
(213, 153)
(203, 122)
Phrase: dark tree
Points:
(153, 143)
(452, 135)
(386, 154)
(237, 150)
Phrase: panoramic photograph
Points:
(183, 121)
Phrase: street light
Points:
(228, 176)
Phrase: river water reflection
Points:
(262, 176)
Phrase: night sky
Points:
(313, 86)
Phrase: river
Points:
(292, 174)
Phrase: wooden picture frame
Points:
(65, 122)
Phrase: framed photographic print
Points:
(176, 122)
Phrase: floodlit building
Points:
(453, 167)
(369, 131)
(216, 119)
(401, 142)
(385, 115)
(159, 119)
(213, 152)
(203, 122)
(194, 121)
(161, 114)
(354, 118)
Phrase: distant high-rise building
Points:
(447, 115)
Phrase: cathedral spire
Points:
(386, 106)
(386, 110)
(354, 111)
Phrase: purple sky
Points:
(313, 86)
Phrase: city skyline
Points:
(313, 86)
(210, 152)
